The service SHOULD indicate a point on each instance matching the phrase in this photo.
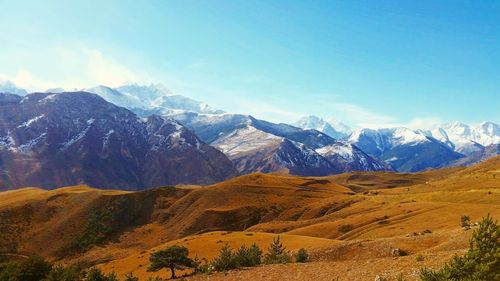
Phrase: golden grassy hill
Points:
(377, 212)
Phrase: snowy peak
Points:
(404, 149)
(319, 124)
(151, 99)
(467, 139)
(350, 158)
(245, 140)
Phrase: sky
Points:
(364, 63)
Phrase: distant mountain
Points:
(10, 88)
(403, 149)
(467, 139)
(350, 158)
(478, 156)
(256, 145)
(51, 140)
(316, 123)
(253, 150)
(151, 99)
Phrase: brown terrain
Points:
(383, 210)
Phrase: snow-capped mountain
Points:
(256, 145)
(146, 100)
(253, 150)
(486, 133)
(350, 158)
(317, 123)
(57, 139)
(404, 149)
(10, 88)
(467, 139)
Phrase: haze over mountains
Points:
(132, 141)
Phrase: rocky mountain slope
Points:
(257, 145)
(404, 149)
(50, 140)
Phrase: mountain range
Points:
(139, 136)
(59, 139)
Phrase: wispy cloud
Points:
(73, 67)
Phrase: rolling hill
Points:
(383, 210)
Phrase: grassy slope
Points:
(383, 209)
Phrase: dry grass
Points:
(384, 209)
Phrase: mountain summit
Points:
(319, 124)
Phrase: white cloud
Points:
(70, 68)
(27, 80)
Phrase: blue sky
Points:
(365, 63)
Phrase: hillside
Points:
(383, 211)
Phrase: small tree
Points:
(174, 257)
(277, 253)
(255, 255)
(302, 255)
(481, 262)
(465, 221)
(225, 260)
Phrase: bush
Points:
(302, 256)
(246, 257)
(105, 220)
(34, 268)
(345, 228)
(481, 262)
(420, 258)
(71, 273)
(225, 260)
(131, 277)
(277, 253)
(96, 274)
(465, 221)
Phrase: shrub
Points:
(345, 228)
(255, 255)
(302, 256)
(420, 258)
(174, 257)
(481, 262)
(277, 253)
(465, 221)
(71, 273)
(131, 277)
(105, 220)
(246, 257)
(225, 260)
(96, 274)
(34, 268)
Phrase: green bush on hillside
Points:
(277, 253)
(481, 262)
(105, 220)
